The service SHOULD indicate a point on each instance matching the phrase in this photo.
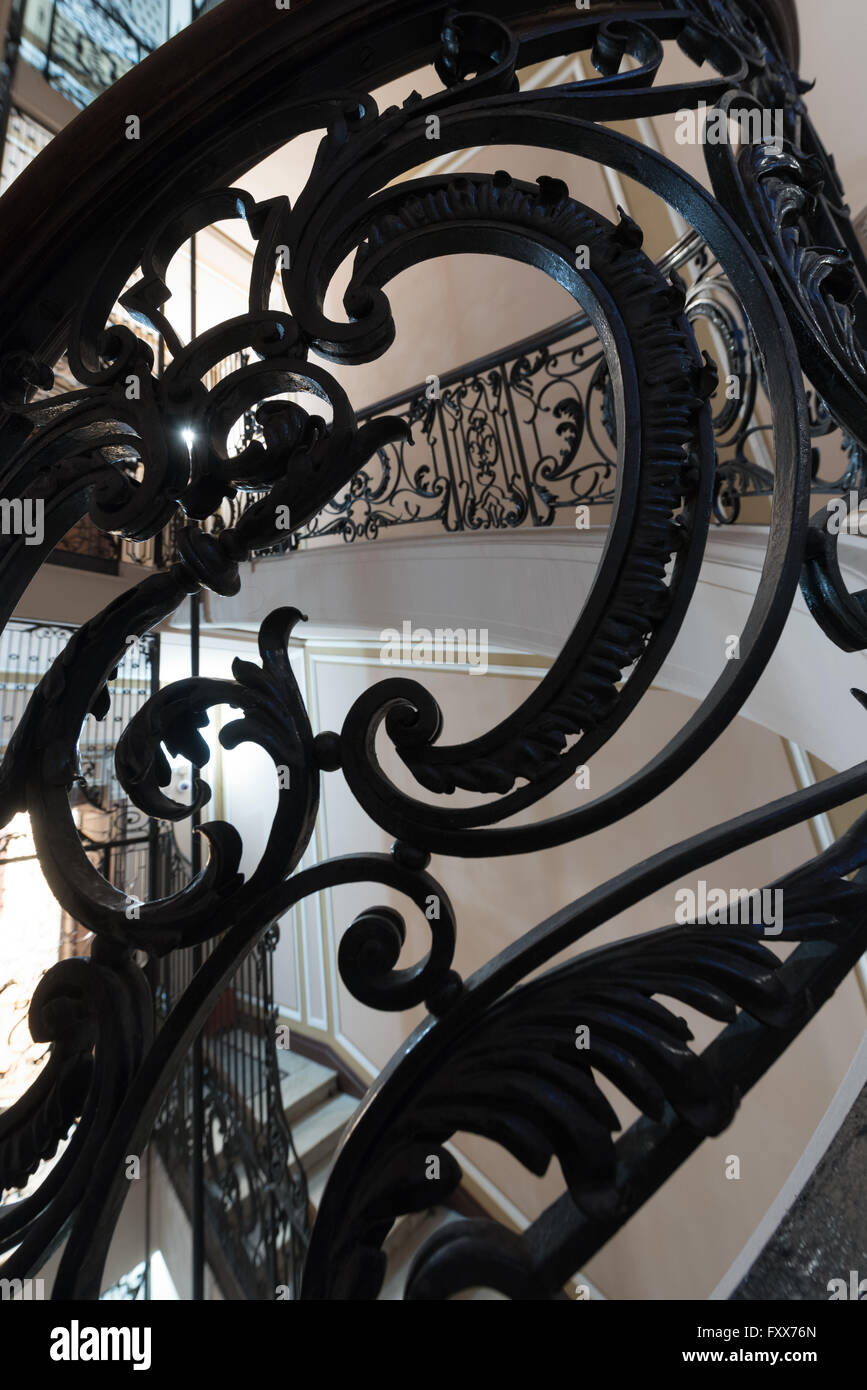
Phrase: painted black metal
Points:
(514, 437)
(135, 853)
(495, 1054)
(254, 1189)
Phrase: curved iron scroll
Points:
(494, 1055)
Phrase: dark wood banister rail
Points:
(205, 120)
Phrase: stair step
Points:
(305, 1088)
(233, 1045)
(317, 1177)
(317, 1134)
(304, 1091)
(233, 1048)
(316, 1137)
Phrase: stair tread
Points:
(315, 1137)
(317, 1177)
(304, 1088)
(317, 1133)
(243, 1042)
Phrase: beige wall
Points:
(682, 1242)
(66, 595)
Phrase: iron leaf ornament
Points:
(140, 442)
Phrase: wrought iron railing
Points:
(28, 649)
(521, 434)
(255, 1187)
(778, 226)
(517, 436)
(116, 838)
(514, 437)
(255, 1191)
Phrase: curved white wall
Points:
(527, 589)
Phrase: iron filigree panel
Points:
(494, 1055)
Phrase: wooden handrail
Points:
(208, 110)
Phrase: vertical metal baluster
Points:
(456, 496)
(198, 1079)
(278, 1266)
(519, 443)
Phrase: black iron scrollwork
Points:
(115, 450)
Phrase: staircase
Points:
(317, 1113)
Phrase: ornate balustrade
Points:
(259, 1233)
(496, 1053)
(254, 1184)
(524, 433)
